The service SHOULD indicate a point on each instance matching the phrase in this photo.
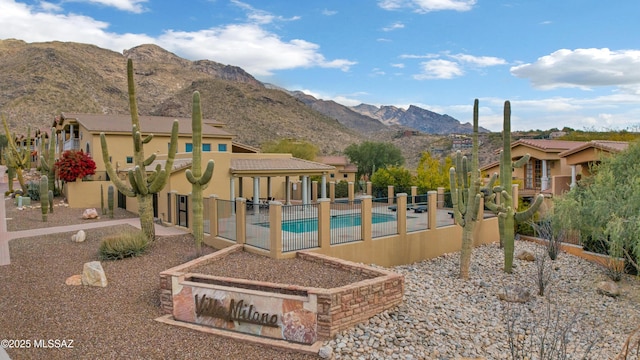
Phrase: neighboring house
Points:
(554, 165)
(240, 170)
(583, 157)
(344, 170)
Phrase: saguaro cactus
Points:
(199, 180)
(18, 159)
(465, 195)
(47, 164)
(44, 196)
(50, 193)
(110, 195)
(506, 211)
(102, 209)
(141, 185)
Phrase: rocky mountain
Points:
(417, 118)
(42, 80)
(341, 113)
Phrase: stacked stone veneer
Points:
(324, 312)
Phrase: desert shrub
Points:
(550, 333)
(33, 190)
(123, 245)
(342, 189)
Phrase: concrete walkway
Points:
(6, 236)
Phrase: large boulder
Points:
(90, 214)
(93, 274)
(79, 237)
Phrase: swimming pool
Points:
(337, 221)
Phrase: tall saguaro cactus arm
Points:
(18, 159)
(506, 211)
(47, 164)
(199, 180)
(465, 195)
(142, 184)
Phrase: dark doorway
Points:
(183, 211)
(122, 200)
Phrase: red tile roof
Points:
(606, 145)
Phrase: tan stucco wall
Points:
(86, 194)
(120, 146)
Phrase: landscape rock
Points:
(74, 280)
(90, 214)
(608, 288)
(79, 237)
(325, 352)
(526, 255)
(514, 294)
(93, 274)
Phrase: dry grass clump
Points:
(120, 246)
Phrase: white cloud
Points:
(394, 26)
(481, 61)
(327, 12)
(425, 6)
(582, 68)
(134, 6)
(398, 65)
(249, 46)
(260, 16)
(49, 7)
(439, 69)
(27, 23)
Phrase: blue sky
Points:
(561, 63)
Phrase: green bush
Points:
(121, 246)
(33, 190)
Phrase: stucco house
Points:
(240, 170)
(554, 165)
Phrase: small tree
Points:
(74, 165)
(297, 148)
(605, 207)
(432, 173)
(370, 156)
(399, 177)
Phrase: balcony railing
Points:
(71, 144)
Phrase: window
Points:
(188, 147)
(206, 147)
(346, 176)
(129, 159)
(222, 147)
(332, 175)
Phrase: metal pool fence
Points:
(346, 220)
(257, 227)
(227, 219)
(380, 207)
(299, 227)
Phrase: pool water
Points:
(337, 221)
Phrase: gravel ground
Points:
(30, 217)
(298, 272)
(442, 317)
